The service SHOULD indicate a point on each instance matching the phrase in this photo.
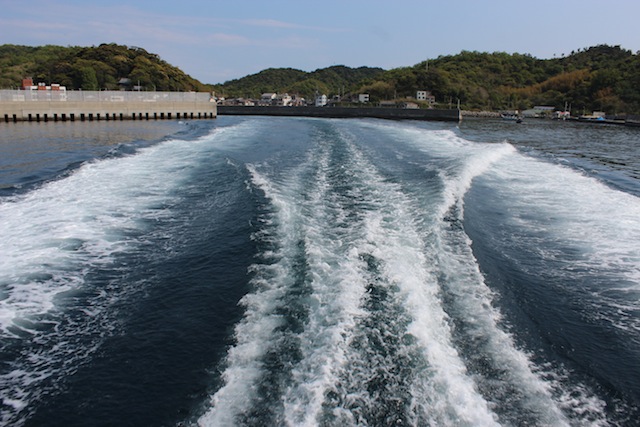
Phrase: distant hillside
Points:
(92, 68)
(332, 80)
(602, 77)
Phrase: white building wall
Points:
(321, 100)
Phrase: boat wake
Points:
(69, 248)
(368, 307)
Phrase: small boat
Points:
(596, 116)
(512, 117)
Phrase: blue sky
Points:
(219, 40)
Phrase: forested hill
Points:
(333, 80)
(602, 77)
(92, 68)
(598, 78)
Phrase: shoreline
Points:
(630, 122)
(480, 114)
(344, 112)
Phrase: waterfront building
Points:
(321, 100)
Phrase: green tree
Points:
(88, 79)
(378, 91)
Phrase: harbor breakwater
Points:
(345, 112)
(35, 105)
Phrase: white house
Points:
(321, 100)
(425, 95)
(363, 97)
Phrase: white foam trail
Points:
(255, 333)
(54, 235)
(577, 209)
(563, 210)
(420, 259)
(338, 288)
(474, 299)
(464, 280)
(446, 392)
(333, 303)
(59, 230)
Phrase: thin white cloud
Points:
(225, 39)
(272, 23)
(292, 42)
(31, 25)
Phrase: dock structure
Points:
(345, 112)
(44, 106)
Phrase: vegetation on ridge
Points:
(602, 77)
(335, 80)
(92, 68)
(598, 78)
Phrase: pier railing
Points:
(101, 96)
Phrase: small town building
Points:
(410, 105)
(283, 100)
(267, 98)
(426, 96)
(297, 101)
(321, 100)
(27, 84)
(363, 97)
(125, 84)
(244, 102)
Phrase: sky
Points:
(219, 40)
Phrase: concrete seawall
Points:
(345, 112)
(19, 105)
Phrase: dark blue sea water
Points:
(260, 271)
